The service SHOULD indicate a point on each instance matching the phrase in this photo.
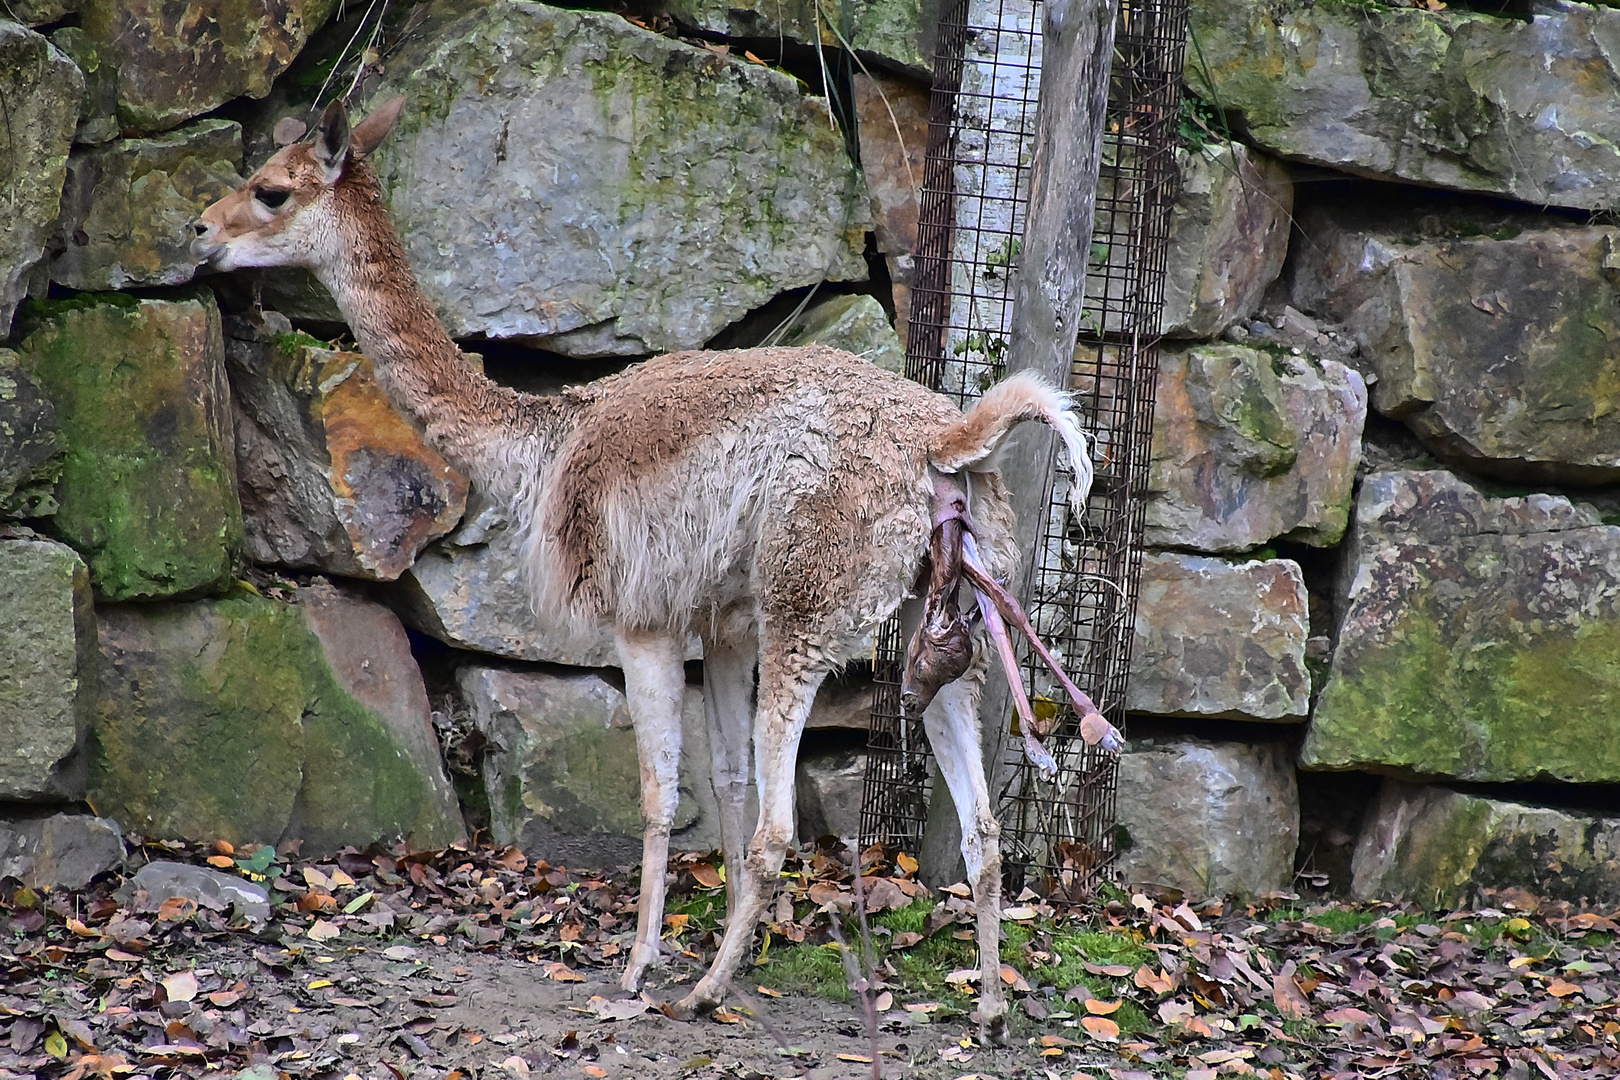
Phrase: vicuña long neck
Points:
(486, 429)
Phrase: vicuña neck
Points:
(475, 422)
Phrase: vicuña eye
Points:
(270, 197)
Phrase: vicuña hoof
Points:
(692, 1006)
(993, 1029)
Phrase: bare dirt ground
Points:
(472, 964)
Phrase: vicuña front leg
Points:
(785, 696)
(952, 722)
(654, 684)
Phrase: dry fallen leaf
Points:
(560, 972)
(181, 986)
(1160, 983)
(707, 876)
(1102, 1008)
(1101, 1028)
(622, 1009)
(1287, 996)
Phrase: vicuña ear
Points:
(332, 139)
(370, 132)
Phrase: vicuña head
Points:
(283, 216)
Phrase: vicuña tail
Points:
(987, 424)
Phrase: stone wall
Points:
(240, 599)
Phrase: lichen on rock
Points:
(1444, 848)
(1249, 446)
(1453, 98)
(1477, 639)
(176, 61)
(333, 476)
(42, 91)
(128, 207)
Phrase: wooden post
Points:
(1077, 53)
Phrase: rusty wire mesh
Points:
(1057, 835)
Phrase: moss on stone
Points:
(199, 730)
(148, 485)
(1423, 700)
(593, 779)
(357, 784)
(223, 719)
(290, 344)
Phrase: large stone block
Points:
(148, 488)
(128, 207)
(1445, 848)
(1220, 639)
(1477, 640)
(1208, 818)
(98, 113)
(234, 719)
(332, 476)
(566, 177)
(1248, 447)
(40, 12)
(47, 668)
(854, 323)
(30, 443)
(176, 61)
(1228, 237)
(828, 788)
(890, 30)
(1473, 101)
(1496, 349)
(351, 788)
(561, 769)
(42, 90)
(59, 851)
(468, 590)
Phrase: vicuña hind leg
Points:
(654, 684)
(786, 691)
(952, 723)
(728, 705)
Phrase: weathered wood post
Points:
(1076, 53)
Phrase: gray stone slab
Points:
(1220, 639)
(47, 668)
(1208, 818)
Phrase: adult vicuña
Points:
(775, 502)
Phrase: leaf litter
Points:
(478, 962)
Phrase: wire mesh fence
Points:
(1057, 835)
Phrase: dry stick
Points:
(858, 984)
(316, 104)
(869, 961)
(757, 1008)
